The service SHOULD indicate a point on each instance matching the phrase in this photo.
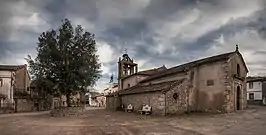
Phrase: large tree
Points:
(67, 57)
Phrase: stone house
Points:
(91, 98)
(213, 84)
(256, 90)
(101, 99)
(113, 87)
(14, 86)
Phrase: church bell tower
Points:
(126, 67)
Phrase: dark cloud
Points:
(253, 22)
(130, 29)
(5, 28)
(155, 32)
(259, 23)
(158, 9)
(259, 52)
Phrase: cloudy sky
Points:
(155, 32)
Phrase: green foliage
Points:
(66, 57)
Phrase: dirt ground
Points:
(102, 122)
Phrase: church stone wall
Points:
(177, 99)
(154, 99)
(132, 80)
(234, 82)
(210, 87)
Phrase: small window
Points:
(251, 96)
(250, 85)
(128, 85)
(175, 96)
(238, 70)
(210, 82)
(1, 82)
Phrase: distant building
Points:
(256, 90)
(91, 98)
(101, 99)
(14, 87)
(213, 84)
(113, 87)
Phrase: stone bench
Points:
(129, 108)
(146, 110)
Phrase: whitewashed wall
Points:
(256, 90)
(5, 89)
(257, 95)
(257, 86)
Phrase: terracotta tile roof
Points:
(164, 86)
(11, 67)
(149, 72)
(152, 71)
(183, 67)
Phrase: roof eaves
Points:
(183, 67)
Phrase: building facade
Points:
(214, 84)
(256, 90)
(14, 87)
(91, 99)
(113, 87)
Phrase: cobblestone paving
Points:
(102, 122)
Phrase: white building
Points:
(113, 87)
(256, 90)
(6, 87)
(91, 98)
(13, 79)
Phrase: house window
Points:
(128, 85)
(250, 85)
(210, 82)
(251, 96)
(238, 70)
(1, 82)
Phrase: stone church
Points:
(215, 84)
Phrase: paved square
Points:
(102, 122)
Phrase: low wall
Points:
(153, 99)
(255, 102)
(24, 105)
(68, 112)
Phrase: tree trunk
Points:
(68, 99)
(82, 98)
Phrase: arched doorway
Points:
(238, 96)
